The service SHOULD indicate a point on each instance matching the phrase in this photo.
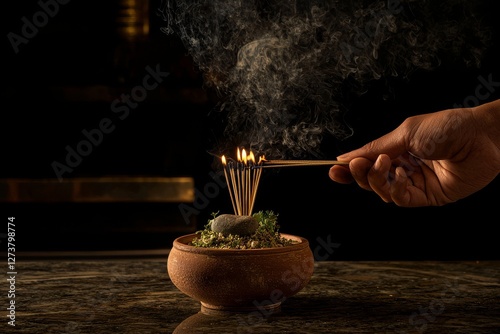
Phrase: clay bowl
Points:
(234, 280)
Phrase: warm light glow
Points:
(244, 156)
(242, 179)
(252, 157)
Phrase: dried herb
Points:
(267, 235)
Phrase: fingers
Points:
(357, 171)
(392, 185)
(340, 174)
(399, 190)
(378, 177)
(360, 168)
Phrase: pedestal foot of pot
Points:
(264, 310)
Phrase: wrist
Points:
(489, 116)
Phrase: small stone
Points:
(234, 224)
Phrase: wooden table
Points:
(135, 295)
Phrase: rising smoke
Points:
(284, 69)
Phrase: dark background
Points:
(64, 79)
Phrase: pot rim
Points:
(180, 243)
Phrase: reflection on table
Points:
(135, 295)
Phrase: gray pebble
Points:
(234, 224)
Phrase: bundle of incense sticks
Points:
(242, 179)
(297, 163)
(243, 176)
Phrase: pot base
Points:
(224, 310)
(251, 281)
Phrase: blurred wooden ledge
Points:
(147, 253)
(98, 190)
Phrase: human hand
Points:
(430, 159)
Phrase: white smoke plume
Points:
(285, 70)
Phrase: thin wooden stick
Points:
(298, 163)
(243, 181)
(235, 191)
(229, 187)
(248, 189)
(243, 177)
(304, 162)
(256, 173)
(239, 188)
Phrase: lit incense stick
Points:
(242, 179)
(298, 163)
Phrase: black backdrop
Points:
(170, 133)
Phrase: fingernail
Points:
(343, 157)
(400, 175)
(377, 164)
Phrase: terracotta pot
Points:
(240, 280)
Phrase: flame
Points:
(243, 180)
(244, 156)
(251, 157)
